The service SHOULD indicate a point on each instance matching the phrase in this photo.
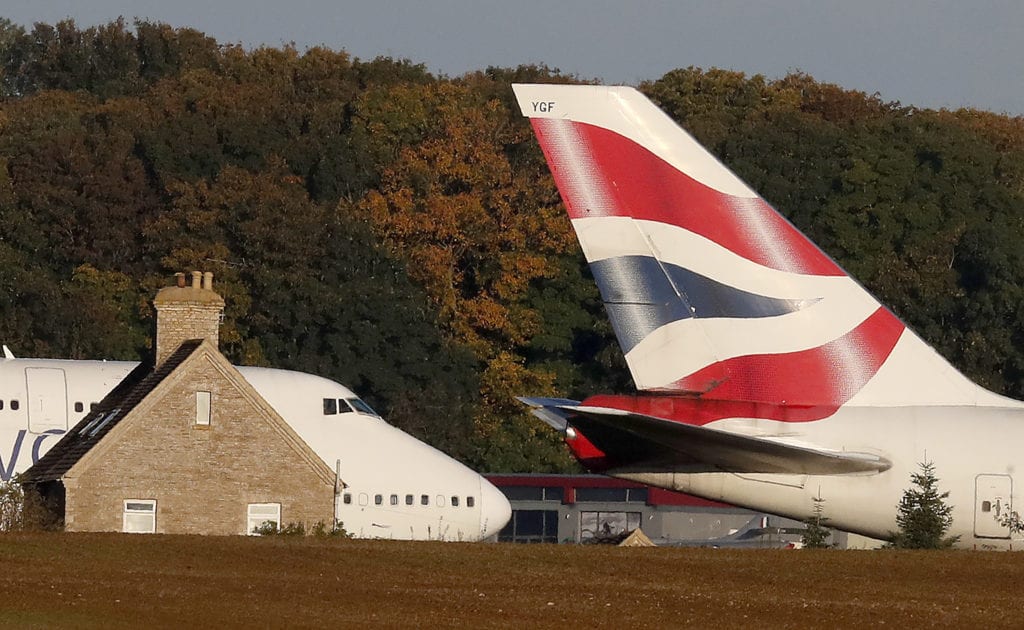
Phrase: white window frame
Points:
(264, 512)
(204, 406)
(139, 516)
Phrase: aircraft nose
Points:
(495, 510)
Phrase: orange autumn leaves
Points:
(475, 230)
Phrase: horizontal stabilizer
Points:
(550, 410)
(726, 451)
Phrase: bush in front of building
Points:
(318, 530)
(24, 511)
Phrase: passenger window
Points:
(79, 407)
(1, 405)
(330, 406)
(440, 501)
(455, 501)
(394, 499)
(470, 502)
(363, 499)
(408, 499)
(347, 498)
(14, 405)
(378, 499)
(424, 499)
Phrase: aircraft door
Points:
(991, 505)
(47, 399)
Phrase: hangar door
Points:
(47, 399)
(991, 505)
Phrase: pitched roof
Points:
(107, 414)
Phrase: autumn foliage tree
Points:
(400, 232)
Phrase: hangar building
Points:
(593, 508)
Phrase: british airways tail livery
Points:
(766, 376)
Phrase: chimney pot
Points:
(208, 281)
(179, 279)
(197, 277)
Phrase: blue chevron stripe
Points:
(640, 295)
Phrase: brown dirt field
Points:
(114, 580)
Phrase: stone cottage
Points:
(185, 445)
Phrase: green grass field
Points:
(114, 580)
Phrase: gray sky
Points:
(929, 53)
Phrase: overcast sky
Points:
(939, 53)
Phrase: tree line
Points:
(399, 232)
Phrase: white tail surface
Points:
(709, 289)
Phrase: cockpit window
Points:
(330, 407)
(361, 407)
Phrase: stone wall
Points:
(202, 477)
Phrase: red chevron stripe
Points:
(630, 181)
(700, 411)
(827, 375)
(790, 387)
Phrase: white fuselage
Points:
(379, 465)
(976, 451)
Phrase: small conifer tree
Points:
(923, 516)
(816, 534)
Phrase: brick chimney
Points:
(186, 312)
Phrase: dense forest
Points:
(399, 231)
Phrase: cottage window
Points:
(260, 513)
(203, 408)
(139, 516)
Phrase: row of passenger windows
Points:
(410, 499)
(334, 406)
(14, 405)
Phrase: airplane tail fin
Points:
(710, 291)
